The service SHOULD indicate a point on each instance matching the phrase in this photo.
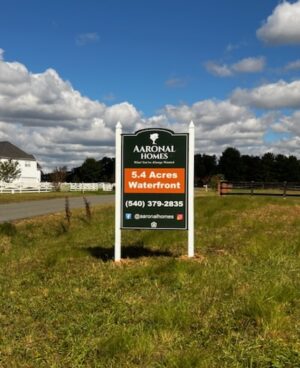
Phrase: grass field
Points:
(65, 303)
(21, 197)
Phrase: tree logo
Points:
(154, 137)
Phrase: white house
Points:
(30, 171)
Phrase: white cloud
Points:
(124, 112)
(220, 70)
(293, 65)
(270, 96)
(45, 116)
(86, 38)
(283, 25)
(288, 124)
(217, 123)
(247, 65)
(13, 73)
(207, 113)
(42, 99)
(1, 54)
(287, 146)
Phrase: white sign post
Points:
(191, 190)
(118, 195)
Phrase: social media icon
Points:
(179, 217)
(128, 216)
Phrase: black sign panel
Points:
(154, 180)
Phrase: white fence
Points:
(49, 187)
(107, 187)
(25, 187)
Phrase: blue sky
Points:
(150, 62)
(137, 46)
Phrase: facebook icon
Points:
(128, 216)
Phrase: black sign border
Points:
(186, 135)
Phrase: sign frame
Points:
(154, 167)
(190, 190)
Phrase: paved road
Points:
(16, 211)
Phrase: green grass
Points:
(65, 303)
(21, 197)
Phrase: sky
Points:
(71, 69)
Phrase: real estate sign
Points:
(154, 180)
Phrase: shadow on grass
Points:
(133, 251)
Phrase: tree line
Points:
(231, 165)
(91, 171)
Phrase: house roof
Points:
(9, 150)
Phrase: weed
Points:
(8, 229)
(88, 212)
(68, 210)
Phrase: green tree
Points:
(268, 167)
(107, 165)
(205, 167)
(230, 164)
(90, 171)
(280, 168)
(252, 169)
(9, 170)
(292, 169)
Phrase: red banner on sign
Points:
(156, 180)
